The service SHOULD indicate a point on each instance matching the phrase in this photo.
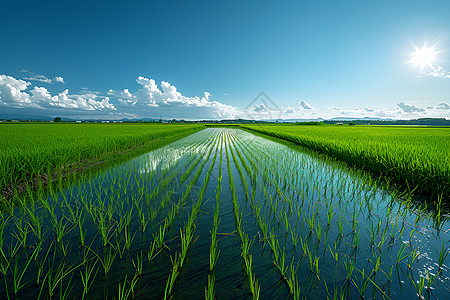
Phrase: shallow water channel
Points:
(298, 224)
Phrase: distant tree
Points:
(57, 119)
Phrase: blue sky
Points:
(210, 59)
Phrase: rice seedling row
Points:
(416, 158)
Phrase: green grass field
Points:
(417, 157)
(27, 150)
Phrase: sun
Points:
(424, 56)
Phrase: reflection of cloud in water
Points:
(169, 155)
(163, 158)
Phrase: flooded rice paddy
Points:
(227, 214)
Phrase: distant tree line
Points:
(421, 121)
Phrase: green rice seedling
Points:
(82, 232)
(273, 245)
(349, 268)
(172, 276)
(255, 288)
(376, 265)
(319, 231)
(335, 254)
(316, 266)
(22, 233)
(41, 263)
(209, 289)
(400, 255)
(246, 244)
(362, 285)
(65, 247)
(373, 232)
(64, 293)
(3, 224)
(4, 264)
(186, 240)
(171, 215)
(159, 237)
(128, 217)
(305, 248)
(125, 293)
(143, 219)
(13, 249)
(311, 220)
(18, 274)
(413, 258)
(420, 285)
(294, 235)
(292, 281)
(213, 252)
(213, 257)
(443, 253)
(383, 238)
(108, 259)
(153, 252)
(128, 237)
(34, 223)
(281, 262)
(88, 277)
(264, 228)
(138, 264)
(60, 228)
(55, 277)
(153, 213)
(430, 279)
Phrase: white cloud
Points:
(58, 79)
(169, 102)
(11, 91)
(304, 105)
(437, 72)
(409, 108)
(402, 110)
(442, 105)
(42, 78)
(13, 94)
(259, 108)
(289, 111)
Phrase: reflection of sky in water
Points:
(324, 187)
(168, 156)
(422, 242)
(157, 160)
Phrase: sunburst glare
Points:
(424, 56)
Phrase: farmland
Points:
(228, 214)
(28, 150)
(417, 158)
